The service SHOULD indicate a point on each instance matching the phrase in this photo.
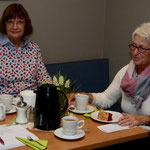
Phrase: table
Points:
(94, 138)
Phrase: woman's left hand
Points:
(132, 120)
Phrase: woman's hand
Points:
(73, 98)
(132, 120)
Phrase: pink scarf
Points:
(136, 87)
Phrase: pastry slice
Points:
(102, 115)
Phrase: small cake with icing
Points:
(106, 116)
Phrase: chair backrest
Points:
(89, 75)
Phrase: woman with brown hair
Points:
(21, 66)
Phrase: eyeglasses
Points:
(17, 23)
(141, 49)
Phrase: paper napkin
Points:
(109, 128)
(9, 134)
(33, 144)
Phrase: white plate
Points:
(59, 133)
(12, 110)
(89, 109)
(115, 116)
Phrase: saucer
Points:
(12, 110)
(59, 133)
(89, 109)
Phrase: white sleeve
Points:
(111, 95)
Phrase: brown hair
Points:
(16, 11)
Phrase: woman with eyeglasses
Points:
(131, 83)
(21, 64)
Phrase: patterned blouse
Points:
(20, 68)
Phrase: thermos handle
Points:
(66, 105)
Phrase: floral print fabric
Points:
(20, 68)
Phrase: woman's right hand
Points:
(72, 99)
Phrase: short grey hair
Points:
(143, 31)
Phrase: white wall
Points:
(70, 30)
(66, 30)
(122, 17)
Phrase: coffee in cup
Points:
(6, 99)
(71, 125)
(82, 102)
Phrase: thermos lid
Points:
(45, 88)
(48, 85)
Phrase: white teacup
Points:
(82, 102)
(29, 97)
(71, 125)
(2, 112)
(6, 99)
